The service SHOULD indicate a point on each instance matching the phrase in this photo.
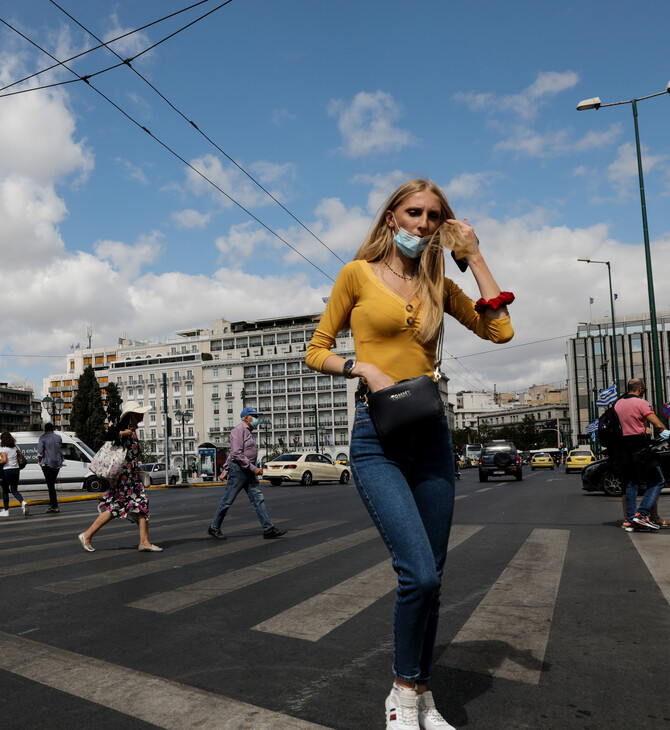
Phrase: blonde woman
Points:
(394, 295)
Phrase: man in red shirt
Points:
(635, 413)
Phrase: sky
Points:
(119, 212)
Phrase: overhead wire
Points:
(95, 48)
(171, 151)
(128, 62)
(192, 123)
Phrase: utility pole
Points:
(316, 427)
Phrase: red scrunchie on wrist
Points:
(502, 300)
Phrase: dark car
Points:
(601, 476)
(500, 459)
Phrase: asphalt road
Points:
(553, 617)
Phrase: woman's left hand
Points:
(467, 231)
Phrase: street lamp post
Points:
(614, 349)
(595, 103)
(265, 425)
(183, 417)
(54, 407)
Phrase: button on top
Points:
(409, 308)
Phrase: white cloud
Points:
(469, 185)
(526, 141)
(133, 171)
(129, 260)
(527, 102)
(366, 124)
(240, 244)
(190, 218)
(281, 115)
(623, 171)
(236, 184)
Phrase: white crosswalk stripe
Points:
(136, 694)
(311, 620)
(506, 636)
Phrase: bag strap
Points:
(438, 351)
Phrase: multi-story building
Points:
(547, 405)
(211, 374)
(19, 409)
(590, 362)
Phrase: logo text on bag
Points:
(402, 394)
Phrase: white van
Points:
(75, 472)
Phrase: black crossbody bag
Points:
(408, 401)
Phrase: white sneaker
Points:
(429, 717)
(25, 508)
(4, 513)
(402, 710)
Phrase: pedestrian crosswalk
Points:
(505, 635)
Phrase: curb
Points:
(88, 496)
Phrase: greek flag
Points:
(607, 396)
(592, 427)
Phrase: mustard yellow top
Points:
(383, 324)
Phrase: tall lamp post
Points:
(595, 103)
(183, 417)
(614, 350)
(53, 406)
(265, 425)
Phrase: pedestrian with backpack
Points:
(632, 455)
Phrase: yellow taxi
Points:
(542, 461)
(578, 459)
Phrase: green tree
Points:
(114, 403)
(88, 413)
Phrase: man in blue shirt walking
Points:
(243, 473)
(50, 458)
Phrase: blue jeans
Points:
(239, 479)
(655, 482)
(406, 481)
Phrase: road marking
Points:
(69, 534)
(78, 555)
(485, 489)
(205, 590)
(654, 552)
(312, 619)
(506, 635)
(215, 549)
(154, 700)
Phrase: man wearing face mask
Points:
(243, 473)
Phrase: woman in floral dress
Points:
(126, 498)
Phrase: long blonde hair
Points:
(429, 284)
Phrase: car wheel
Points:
(173, 480)
(532, 468)
(96, 484)
(344, 477)
(306, 479)
(483, 477)
(611, 484)
(276, 482)
(519, 476)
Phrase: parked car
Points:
(578, 459)
(542, 461)
(75, 472)
(500, 458)
(156, 473)
(306, 468)
(600, 476)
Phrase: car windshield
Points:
(541, 456)
(288, 457)
(581, 453)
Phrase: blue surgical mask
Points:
(254, 422)
(410, 245)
